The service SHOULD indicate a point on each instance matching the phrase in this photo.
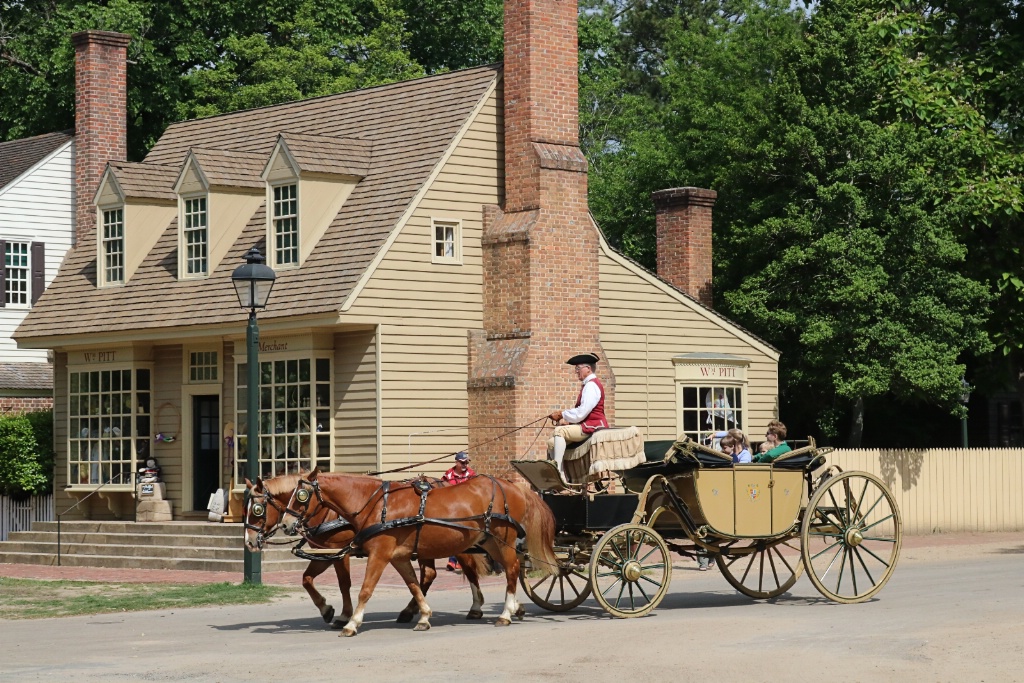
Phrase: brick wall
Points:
(101, 94)
(24, 404)
(540, 251)
(684, 239)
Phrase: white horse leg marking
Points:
(506, 614)
(478, 600)
(354, 623)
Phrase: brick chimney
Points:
(540, 251)
(684, 239)
(101, 116)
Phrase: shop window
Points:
(295, 417)
(109, 425)
(707, 409)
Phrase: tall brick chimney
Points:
(101, 115)
(684, 239)
(540, 251)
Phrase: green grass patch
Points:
(32, 599)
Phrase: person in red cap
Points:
(583, 419)
(458, 473)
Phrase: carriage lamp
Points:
(965, 398)
(253, 283)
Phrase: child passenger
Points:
(734, 447)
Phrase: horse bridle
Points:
(258, 509)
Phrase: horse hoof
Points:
(502, 622)
(404, 617)
(475, 614)
(421, 627)
(347, 633)
(520, 613)
(328, 615)
(338, 624)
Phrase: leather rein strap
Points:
(418, 520)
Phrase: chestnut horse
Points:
(265, 514)
(394, 525)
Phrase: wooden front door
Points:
(205, 449)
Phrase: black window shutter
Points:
(3, 273)
(38, 259)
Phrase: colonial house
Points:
(436, 265)
(37, 224)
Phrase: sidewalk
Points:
(915, 548)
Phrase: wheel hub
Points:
(631, 571)
(853, 537)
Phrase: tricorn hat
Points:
(583, 359)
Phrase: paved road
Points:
(949, 614)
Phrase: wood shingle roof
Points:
(145, 181)
(17, 156)
(410, 125)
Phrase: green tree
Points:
(26, 453)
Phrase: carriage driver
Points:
(586, 417)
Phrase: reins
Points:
(469, 448)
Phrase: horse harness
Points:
(423, 487)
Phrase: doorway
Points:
(205, 449)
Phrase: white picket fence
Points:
(18, 515)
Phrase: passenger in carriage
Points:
(733, 445)
(774, 444)
(583, 419)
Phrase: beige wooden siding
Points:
(61, 500)
(227, 413)
(643, 327)
(424, 309)
(355, 398)
(166, 418)
(950, 489)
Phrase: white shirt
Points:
(591, 395)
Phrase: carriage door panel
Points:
(787, 493)
(753, 500)
(715, 492)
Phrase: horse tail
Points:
(480, 563)
(539, 523)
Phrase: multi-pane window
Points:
(446, 242)
(294, 416)
(195, 236)
(710, 408)
(113, 245)
(16, 278)
(108, 425)
(286, 225)
(202, 366)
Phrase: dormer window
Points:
(113, 246)
(195, 237)
(286, 225)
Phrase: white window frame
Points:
(216, 367)
(184, 231)
(320, 415)
(24, 283)
(275, 254)
(454, 255)
(100, 433)
(700, 376)
(109, 248)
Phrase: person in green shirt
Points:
(774, 444)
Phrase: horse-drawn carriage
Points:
(763, 524)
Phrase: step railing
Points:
(117, 477)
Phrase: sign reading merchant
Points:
(710, 367)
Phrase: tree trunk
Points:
(856, 424)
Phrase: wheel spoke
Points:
(832, 562)
(826, 549)
(547, 598)
(784, 560)
(618, 551)
(760, 571)
(568, 580)
(653, 550)
(872, 554)
(632, 602)
(642, 592)
(884, 519)
(835, 503)
(856, 553)
(771, 562)
(749, 565)
(649, 580)
(871, 509)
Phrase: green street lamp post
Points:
(253, 283)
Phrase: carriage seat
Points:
(613, 449)
(810, 457)
(704, 457)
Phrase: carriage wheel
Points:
(630, 570)
(562, 591)
(851, 535)
(761, 570)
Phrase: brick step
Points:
(126, 539)
(144, 528)
(176, 551)
(121, 562)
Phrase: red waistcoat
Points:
(596, 419)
